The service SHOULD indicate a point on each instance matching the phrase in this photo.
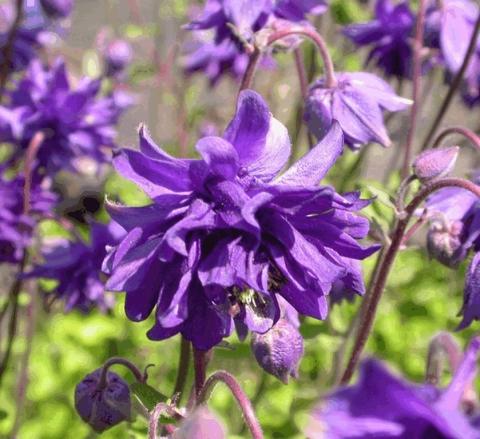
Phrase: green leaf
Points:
(147, 395)
(3, 415)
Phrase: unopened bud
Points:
(279, 350)
(444, 242)
(117, 55)
(201, 424)
(435, 163)
(103, 405)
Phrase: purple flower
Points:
(201, 424)
(103, 406)
(350, 285)
(435, 163)
(279, 350)
(16, 228)
(226, 234)
(77, 122)
(57, 8)
(388, 35)
(471, 296)
(356, 102)
(382, 405)
(76, 266)
(117, 55)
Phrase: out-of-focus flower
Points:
(76, 122)
(201, 424)
(16, 228)
(444, 241)
(103, 406)
(471, 296)
(388, 35)
(356, 102)
(279, 350)
(76, 266)
(57, 8)
(117, 56)
(227, 233)
(435, 163)
(383, 405)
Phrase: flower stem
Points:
(183, 366)
(440, 345)
(453, 86)
(465, 132)
(238, 393)
(139, 376)
(417, 79)
(302, 75)
(160, 409)
(369, 308)
(251, 69)
(8, 47)
(200, 361)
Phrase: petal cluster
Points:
(228, 233)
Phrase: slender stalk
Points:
(440, 345)
(182, 371)
(238, 393)
(465, 132)
(160, 409)
(30, 156)
(139, 376)
(8, 48)
(200, 361)
(251, 69)
(369, 308)
(302, 74)
(417, 79)
(453, 86)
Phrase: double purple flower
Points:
(227, 234)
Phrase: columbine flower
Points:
(76, 122)
(350, 285)
(76, 266)
(103, 406)
(383, 405)
(57, 8)
(388, 35)
(226, 234)
(117, 55)
(356, 102)
(16, 228)
(223, 52)
(471, 296)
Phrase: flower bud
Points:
(102, 405)
(117, 56)
(444, 242)
(57, 8)
(199, 425)
(279, 350)
(435, 163)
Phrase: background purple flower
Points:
(57, 8)
(226, 234)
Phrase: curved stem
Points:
(440, 345)
(242, 399)
(182, 371)
(160, 409)
(251, 69)
(465, 132)
(30, 156)
(454, 85)
(369, 308)
(139, 376)
(417, 79)
(302, 74)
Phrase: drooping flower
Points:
(350, 285)
(76, 266)
(57, 8)
(103, 406)
(388, 36)
(76, 122)
(356, 102)
(226, 234)
(384, 405)
(16, 228)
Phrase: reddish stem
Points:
(465, 132)
(139, 376)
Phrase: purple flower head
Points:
(356, 102)
(435, 163)
(471, 296)
(382, 405)
(103, 406)
(117, 55)
(388, 36)
(76, 266)
(201, 424)
(444, 241)
(57, 8)
(16, 228)
(349, 286)
(227, 233)
(279, 350)
(76, 122)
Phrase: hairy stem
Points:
(238, 393)
(183, 366)
(369, 308)
(417, 79)
(139, 376)
(453, 86)
(160, 409)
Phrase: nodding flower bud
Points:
(117, 56)
(57, 8)
(444, 242)
(471, 295)
(200, 424)
(102, 405)
(435, 163)
(279, 350)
